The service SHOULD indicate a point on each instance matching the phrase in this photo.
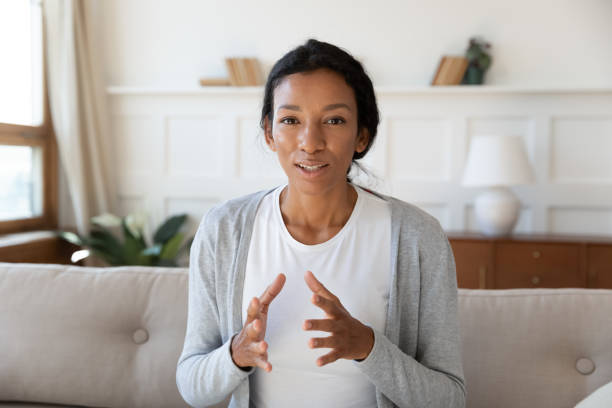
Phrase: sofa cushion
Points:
(107, 337)
(535, 347)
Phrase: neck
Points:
(317, 212)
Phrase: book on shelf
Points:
(451, 70)
(243, 71)
(215, 82)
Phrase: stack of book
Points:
(450, 71)
(243, 71)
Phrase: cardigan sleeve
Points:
(434, 376)
(206, 373)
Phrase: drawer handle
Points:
(536, 254)
(535, 280)
(482, 277)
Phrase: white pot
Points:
(497, 210)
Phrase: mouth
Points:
(311, 169)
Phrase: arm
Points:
(435, 377)
(205, 373)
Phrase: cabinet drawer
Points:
(600, 266)
(473, 261)
(546, 265)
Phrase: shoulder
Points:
(409, 218)
(236, 209)
(232, 215)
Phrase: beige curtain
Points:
(78, 108)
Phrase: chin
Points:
(314, 187)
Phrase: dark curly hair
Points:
(317, 54)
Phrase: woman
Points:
(350, 294)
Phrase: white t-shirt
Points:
(354, 265)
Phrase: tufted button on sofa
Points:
(111, 337)
(585, 366)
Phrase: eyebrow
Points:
(327, 108)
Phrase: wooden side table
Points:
(532, 260)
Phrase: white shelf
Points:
(386, 90)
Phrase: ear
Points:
(268, 134)
(363, 139)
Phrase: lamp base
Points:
(497, 211)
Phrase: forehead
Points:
(319, 87)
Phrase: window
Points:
(28, 164)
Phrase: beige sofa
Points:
(111, 337)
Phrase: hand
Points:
(350, 338)
(248, 348)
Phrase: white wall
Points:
(172, 43)
(536, 43)
(184, 151)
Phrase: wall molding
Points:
(432, 125)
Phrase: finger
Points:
(328, 358)
(254, 329)
(260, 356)
(263, 363)
(316, 286)
(323, 342)
(273, 290)
(330, 307)
(326, 325)
(259, 348)
(252, 310)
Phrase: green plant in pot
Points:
(479, 61)
(121, 241)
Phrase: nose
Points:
(311, 139)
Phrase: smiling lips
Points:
(310, 166)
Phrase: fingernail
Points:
(316, 298)
(308, 325)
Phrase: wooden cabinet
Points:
(36, 248)
(530, 261)
(599, 269)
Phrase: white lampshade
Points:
(497, 161)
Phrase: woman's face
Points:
(314, 129)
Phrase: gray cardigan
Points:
(416, 362)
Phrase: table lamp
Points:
(497, 162)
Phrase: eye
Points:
(289, 121)
(336, 121)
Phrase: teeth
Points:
(311, 168)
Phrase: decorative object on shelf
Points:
(168, 241)
(497, 162)
(451, 70)
(479, 61)
(244, 71)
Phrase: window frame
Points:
(41, 136)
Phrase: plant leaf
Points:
(106, 220)
(154, 250)
(71, 237)
(107, 246)
(135, 223)
(172, 247)
(169, 228)
(133, 247)
(187, 245)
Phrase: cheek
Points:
(284, 147)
